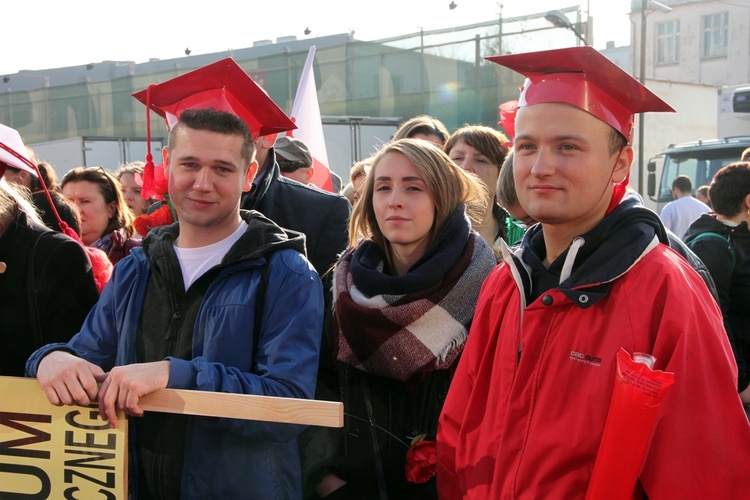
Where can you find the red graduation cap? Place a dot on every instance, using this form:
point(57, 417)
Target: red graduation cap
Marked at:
point(223, 86)
point(584, 78)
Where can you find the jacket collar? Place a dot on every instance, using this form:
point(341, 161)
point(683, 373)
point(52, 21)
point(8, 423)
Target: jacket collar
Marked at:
point(593, 259)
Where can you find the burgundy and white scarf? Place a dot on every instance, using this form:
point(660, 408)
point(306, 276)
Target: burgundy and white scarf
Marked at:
point(402, 327)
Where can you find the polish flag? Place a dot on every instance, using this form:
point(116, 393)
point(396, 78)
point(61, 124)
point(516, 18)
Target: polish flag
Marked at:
point(306, 115)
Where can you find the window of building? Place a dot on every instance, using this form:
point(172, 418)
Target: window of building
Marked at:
point(668, 42)
point(715, 35)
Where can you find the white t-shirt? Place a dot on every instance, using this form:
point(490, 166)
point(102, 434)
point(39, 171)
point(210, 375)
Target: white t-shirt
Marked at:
point(196, 261)
point(677, 215)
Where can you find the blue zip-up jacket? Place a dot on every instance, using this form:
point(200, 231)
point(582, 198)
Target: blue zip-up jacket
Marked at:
point(226, 458)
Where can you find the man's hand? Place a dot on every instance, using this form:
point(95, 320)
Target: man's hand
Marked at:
point(124, 385)
point(67, 379)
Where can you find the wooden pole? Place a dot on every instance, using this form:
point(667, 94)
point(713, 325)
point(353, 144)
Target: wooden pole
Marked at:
point(245, 406)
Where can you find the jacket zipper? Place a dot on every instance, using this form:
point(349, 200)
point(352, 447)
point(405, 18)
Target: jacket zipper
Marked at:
point(171, 338)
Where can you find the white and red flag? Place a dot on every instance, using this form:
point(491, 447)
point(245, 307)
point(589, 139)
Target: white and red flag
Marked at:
point(306, 115)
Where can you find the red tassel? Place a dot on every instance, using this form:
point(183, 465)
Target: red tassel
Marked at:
point(148, 169)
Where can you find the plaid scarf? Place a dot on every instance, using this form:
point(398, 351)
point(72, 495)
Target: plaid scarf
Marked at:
point(402, 327)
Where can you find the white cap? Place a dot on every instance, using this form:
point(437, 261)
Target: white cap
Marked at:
point(12, 139)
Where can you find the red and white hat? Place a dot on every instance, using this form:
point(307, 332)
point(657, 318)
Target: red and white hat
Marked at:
point(223, 86)
point(11, 139)
point(582, 77)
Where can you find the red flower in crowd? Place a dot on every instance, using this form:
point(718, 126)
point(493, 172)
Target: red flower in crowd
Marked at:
point(161, 217)
point(421, 461)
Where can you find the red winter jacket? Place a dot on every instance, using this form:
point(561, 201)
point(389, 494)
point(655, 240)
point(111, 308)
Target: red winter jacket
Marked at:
point(526, 409)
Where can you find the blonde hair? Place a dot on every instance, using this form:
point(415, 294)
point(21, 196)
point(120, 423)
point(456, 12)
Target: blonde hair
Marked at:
point(12, 197)
point(449, 187)
point(360, 169)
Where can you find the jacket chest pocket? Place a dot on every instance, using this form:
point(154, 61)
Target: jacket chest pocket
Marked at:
point(230, 330)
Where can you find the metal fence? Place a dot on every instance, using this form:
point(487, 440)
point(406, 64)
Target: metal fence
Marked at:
point(441, 73)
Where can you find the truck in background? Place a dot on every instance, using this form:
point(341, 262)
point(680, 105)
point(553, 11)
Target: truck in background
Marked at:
point(106, 152)
point(700, 160)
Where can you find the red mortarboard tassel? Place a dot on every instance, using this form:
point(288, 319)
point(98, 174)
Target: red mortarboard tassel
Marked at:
point(147, 190)
point(155, 183)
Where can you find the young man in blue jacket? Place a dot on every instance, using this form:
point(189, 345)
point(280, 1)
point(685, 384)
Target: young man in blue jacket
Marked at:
point(223, 300)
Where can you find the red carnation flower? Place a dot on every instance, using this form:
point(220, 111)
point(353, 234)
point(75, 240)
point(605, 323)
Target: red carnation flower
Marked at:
point(161, 217)
point(421, 461)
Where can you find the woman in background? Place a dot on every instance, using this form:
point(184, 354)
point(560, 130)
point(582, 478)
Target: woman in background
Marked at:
point(357, 177)
point(106, 220)
point(130, 176)
point(481, 151)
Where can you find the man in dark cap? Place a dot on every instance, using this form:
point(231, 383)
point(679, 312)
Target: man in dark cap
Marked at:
point(526, 410)
point(320, 215)
point(223, 300)
point(295, 160)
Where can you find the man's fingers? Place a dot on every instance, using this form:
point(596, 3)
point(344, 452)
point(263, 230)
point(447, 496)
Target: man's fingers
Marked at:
point(90, 385)
point(74, 393)
point(129, 402)
point(67, 379)
point(52, 396)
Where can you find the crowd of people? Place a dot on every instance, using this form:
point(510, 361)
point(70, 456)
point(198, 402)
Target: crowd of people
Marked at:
point(465, 296)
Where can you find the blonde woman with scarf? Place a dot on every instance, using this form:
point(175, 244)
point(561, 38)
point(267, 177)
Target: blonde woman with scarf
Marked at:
point(404, 298)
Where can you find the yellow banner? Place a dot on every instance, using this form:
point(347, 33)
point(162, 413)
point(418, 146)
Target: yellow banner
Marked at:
point(64, 452)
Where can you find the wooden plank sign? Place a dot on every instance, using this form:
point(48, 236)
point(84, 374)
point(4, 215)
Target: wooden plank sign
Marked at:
point(57, 452)
point(70, 452)
point(245, 406)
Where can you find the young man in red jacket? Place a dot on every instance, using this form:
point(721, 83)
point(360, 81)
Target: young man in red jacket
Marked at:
point(526, 410)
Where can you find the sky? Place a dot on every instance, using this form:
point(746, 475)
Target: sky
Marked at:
point(53, 34)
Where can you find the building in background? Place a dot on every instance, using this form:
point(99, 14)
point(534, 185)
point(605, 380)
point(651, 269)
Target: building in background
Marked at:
point(686, 51)
point(366, 87)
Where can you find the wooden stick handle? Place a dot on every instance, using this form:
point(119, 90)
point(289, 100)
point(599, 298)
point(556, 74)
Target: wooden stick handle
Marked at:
point(245, 406)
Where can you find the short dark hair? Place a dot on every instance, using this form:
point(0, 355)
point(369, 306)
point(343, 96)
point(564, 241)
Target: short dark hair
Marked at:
point(221, 122)
point(729, 188)
point(683, 183)
point(616, 141)
point(289, 166)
